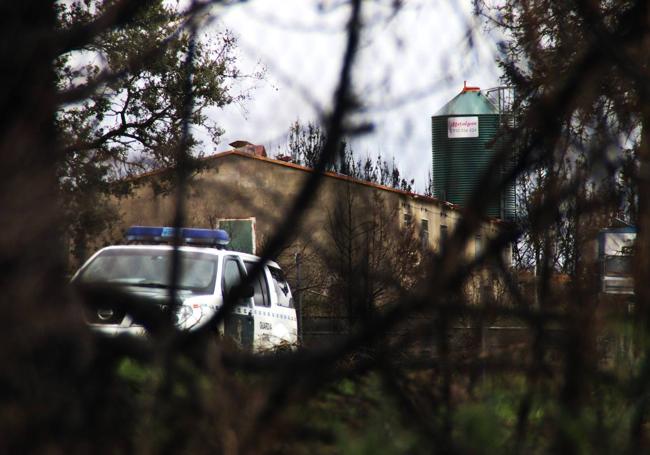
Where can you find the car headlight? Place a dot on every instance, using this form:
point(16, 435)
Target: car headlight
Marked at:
point(186, 316)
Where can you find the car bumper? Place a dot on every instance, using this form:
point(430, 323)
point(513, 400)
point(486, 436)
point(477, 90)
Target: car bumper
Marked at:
point(117, 330)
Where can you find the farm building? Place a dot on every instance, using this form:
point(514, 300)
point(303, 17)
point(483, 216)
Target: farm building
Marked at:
point(365, 221)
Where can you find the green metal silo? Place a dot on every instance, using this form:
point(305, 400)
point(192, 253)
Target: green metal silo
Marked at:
point(463, 143)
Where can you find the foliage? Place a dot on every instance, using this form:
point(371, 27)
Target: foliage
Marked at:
point(597, 140)
point(132, 122)
point(428, 190)
point(354, 416)
point(580, 71)
point(305, 145)
point(549, 385)
point(370, 260)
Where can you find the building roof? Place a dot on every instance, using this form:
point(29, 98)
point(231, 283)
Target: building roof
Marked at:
point(221, 155)
point(334, 175)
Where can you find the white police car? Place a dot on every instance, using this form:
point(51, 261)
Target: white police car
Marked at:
point(264, 319)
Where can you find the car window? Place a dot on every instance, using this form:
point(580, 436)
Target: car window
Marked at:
point(281, 288)
point(231, 275)
point(260, 285)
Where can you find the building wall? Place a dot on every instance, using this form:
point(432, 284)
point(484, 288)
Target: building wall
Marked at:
point(239, 186)
point(236, 185)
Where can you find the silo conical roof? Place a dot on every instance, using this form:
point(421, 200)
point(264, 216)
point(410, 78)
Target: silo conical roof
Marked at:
point(468, 102)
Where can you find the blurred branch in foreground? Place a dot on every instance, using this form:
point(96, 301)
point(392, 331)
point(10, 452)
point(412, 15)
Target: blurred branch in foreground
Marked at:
point(420, 368)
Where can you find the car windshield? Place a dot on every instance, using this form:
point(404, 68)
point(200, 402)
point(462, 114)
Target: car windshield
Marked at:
point(151, 268)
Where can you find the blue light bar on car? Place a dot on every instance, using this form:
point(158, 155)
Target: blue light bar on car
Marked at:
point(144, 234)
point(191, 236)
point(217, 237)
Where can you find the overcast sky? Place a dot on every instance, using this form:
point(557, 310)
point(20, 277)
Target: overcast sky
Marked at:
point(409, 66)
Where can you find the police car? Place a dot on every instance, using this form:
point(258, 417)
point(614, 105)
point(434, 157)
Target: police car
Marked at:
point(264, 318)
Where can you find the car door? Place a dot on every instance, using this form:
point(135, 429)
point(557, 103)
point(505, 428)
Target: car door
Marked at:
point(238, 325)
point(263, 315)
point(285, 328)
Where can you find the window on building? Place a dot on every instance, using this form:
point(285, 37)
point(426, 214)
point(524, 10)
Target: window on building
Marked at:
point(408, 220)
point(424, 233)
point(507, 255)
point(443, 238)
